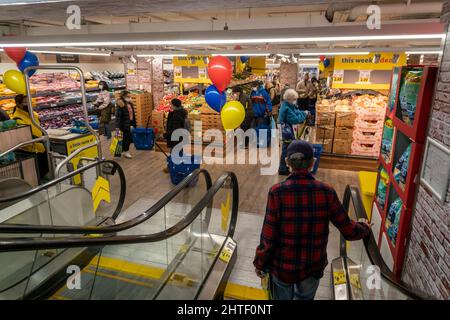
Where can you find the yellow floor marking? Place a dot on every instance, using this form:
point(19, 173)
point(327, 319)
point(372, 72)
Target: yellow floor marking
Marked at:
point(107, 275)
point(240, 292)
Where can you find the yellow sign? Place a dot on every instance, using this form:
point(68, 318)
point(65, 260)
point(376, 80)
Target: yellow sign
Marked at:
point(258, 65)
point(100, 192)
point(77, 143)
point(339, 277)
point(191, 61)
point(227, 251)
point(225, 212)
point(372, 61)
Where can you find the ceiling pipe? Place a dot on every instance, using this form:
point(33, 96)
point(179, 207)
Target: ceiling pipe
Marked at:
point(397, 9)
point(337, 7)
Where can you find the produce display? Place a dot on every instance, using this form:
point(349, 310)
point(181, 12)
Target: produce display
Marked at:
point(190, 102)
point(393, 219)
point(409, 91)
point(357, 121)
point(401, 167)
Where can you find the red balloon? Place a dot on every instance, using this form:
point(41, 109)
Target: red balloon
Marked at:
point(16, 54)
point(220, 71)
point(322, 58)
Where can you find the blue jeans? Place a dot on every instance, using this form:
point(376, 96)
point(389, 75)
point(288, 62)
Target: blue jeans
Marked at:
point(303, 290)
point(107, 130)
point(283, 167)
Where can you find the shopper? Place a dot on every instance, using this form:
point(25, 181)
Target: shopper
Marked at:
point(261, 104)
point(294, 237)
point(22, 116)
point(288, 116)
point(283, 91)
point(3, 115)
point(304, 89)
point(313, 94)
point(177, 119)
point(125, 120)
point(105, 107)
point(245, 100)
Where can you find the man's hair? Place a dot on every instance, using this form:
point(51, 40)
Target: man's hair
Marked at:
point(105, 85)
point(237, 89)
point(296, 161)
point(19, 99)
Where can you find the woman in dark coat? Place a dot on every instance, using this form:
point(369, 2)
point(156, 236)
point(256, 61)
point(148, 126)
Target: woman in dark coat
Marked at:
point(125, 120)
point(175, 120)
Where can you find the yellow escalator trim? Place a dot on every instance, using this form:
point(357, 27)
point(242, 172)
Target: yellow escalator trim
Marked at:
point(128, 267)
point(240, 292)
point(107, 275)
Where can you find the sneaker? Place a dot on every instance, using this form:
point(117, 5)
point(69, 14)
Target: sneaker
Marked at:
point(127, 155)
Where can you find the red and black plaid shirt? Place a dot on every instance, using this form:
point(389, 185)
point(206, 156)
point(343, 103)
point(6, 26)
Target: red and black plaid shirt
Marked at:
point(294, 237)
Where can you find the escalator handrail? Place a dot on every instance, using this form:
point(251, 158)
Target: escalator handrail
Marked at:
point(17, 228)
point(26, 244)
point(352, 194)
point(116, 167)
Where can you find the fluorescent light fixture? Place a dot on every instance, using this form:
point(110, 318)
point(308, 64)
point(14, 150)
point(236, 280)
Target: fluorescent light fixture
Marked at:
point(309, 59)
point(242, 54)
point(161, 55)
point(334, 53)
point(104, 54)
point(227, 41)
point(424, 52)
point(26, 2)
point(282, 55)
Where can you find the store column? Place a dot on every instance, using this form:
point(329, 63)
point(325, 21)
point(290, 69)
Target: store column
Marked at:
point(427, 264)
point(157, 80)
point(288, 74)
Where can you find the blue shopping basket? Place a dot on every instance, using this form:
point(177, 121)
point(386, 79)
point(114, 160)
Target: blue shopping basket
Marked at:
point(143, 138)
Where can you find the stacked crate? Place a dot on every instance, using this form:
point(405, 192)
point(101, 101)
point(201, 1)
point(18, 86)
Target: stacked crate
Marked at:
point(368, 131)
point(325, 119)
point(343, 133)
point(158, 120)
point(143, 106)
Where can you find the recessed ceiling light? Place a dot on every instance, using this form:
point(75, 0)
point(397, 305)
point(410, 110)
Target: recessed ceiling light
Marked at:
point(424, 52)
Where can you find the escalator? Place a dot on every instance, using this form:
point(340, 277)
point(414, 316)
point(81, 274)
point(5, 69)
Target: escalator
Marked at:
point(360, 273)
point(178, 247)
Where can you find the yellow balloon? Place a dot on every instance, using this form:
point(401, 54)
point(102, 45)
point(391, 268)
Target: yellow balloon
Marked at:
point(15, 81)
point(321, 67)
point(232, 115)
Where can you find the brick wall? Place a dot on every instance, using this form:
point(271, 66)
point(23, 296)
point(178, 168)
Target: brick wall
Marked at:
point(427, 262)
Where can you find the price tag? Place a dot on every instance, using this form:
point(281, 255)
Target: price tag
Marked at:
point(338, 76)
point(339, 277)
point(227, 251)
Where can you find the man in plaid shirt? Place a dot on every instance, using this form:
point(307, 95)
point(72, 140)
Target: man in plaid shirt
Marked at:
point(294, 237)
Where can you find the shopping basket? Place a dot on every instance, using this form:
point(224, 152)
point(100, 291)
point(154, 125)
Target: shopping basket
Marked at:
point(181, 170)
point(317, 151)
point(143, 138)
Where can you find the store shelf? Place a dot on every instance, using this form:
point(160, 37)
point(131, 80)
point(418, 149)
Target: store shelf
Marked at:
point(417, 131)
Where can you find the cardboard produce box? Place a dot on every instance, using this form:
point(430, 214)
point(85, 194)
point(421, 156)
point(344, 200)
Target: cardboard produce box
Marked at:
point(157, 122)
point(343, 133)
point(345, 119)
point(325, 118)
point(327, 145)
point(342, 146)
point(323, 133)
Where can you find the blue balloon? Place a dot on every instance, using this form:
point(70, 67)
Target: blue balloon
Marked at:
point(214, 98)
point(326, 62)
point(244, 59)
point(29, 60)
